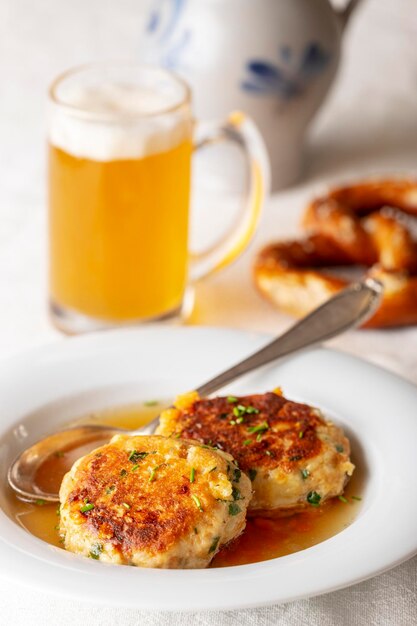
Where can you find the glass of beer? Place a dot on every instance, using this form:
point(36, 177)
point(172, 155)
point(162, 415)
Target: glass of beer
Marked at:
point(121, 139)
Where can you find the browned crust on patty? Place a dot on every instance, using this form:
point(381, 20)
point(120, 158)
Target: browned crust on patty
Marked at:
point(289, 439)
point(134, 508)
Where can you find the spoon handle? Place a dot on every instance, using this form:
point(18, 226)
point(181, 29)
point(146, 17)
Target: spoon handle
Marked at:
point(345, 310)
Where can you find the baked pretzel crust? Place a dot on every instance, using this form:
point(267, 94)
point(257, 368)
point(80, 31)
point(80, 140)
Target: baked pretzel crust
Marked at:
point(369, 226)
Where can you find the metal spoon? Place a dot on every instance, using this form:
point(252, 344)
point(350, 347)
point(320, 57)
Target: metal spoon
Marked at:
point(347, 309)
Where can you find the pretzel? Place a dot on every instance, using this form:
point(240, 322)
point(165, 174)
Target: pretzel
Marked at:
point(369, 224)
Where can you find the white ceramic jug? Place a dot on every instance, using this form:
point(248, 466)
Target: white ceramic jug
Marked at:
point(273, 59)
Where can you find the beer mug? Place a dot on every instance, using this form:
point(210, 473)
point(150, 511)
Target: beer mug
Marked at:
point(121, 139)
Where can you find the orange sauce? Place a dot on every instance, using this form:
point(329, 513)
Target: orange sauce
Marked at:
point(265, 539)
point(262, 539)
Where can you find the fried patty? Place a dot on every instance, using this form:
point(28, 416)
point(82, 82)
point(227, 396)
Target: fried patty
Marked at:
point(294, 457)
point(153, 502)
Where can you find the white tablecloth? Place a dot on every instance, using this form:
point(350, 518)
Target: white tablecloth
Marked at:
point(368, 125)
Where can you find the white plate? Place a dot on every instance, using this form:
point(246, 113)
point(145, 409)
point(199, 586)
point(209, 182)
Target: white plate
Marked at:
point(46, 387)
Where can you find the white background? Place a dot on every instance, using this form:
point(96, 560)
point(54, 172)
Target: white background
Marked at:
point(368, 125)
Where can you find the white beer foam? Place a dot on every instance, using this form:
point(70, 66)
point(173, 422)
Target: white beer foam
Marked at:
point(129, 132)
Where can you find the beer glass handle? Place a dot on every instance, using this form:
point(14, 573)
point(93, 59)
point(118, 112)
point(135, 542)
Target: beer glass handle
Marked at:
point(240, 130)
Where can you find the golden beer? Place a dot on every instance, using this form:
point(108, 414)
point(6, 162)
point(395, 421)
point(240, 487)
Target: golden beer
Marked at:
point(119, 233)
point(120, 142)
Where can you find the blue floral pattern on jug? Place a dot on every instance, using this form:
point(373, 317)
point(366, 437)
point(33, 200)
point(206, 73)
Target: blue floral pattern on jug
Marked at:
point(163, 26)
point(291, 76)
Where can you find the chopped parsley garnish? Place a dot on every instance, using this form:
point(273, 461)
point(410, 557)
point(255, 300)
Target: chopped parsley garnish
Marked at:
point(153, 473)
point(260, 428)
point(212, 469)
point(110, 489)
point(197, 502)
point(214, 545)
point(96, 550)
point(234, 508)
point(305, 473)
point(192, 475)
point(236, 474)
point(56, 527)
point(301, 434)
point(268, 452)
point(58, 510)
point(236, 495)
point(340, 448)
point(87, 506)
point(342, 499)
point(313, 498)
point(151, 403)
point(247, 442)
point(123, 472)
point(135, 456)
point(296, 457)
point(40, 502)
point(135, 467)
point(356, 498)
point(240, 410)
point(126, 505)
point(232, 399)
point(252, 474)
point(239, 420)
